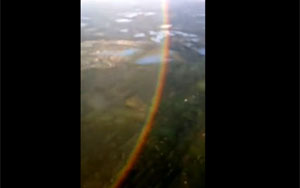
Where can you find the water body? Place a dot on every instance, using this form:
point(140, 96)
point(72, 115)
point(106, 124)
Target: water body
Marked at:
point(123, 20)
point(149, 60)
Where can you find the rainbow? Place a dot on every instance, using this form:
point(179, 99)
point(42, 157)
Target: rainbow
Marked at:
point(123, 174)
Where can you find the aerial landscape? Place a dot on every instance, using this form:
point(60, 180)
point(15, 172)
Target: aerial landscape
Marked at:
point(142, 93)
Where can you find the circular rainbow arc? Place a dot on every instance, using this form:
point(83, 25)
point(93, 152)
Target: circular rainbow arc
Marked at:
point(155, 104)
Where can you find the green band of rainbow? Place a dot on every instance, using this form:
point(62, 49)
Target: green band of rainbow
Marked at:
point(154, 108)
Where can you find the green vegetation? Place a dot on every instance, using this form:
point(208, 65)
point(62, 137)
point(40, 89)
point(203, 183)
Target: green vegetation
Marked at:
point(174, 154)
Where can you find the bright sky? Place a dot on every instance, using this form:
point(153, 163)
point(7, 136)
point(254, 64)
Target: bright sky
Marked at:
point(126, 1)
